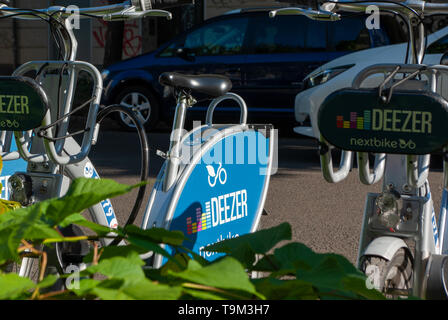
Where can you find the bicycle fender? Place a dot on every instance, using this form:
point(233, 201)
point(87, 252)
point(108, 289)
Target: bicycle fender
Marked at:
point(384, 247)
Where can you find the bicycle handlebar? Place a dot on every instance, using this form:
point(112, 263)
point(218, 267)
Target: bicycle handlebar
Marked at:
point(115, 12)
point(312, 14)
point(420, 7)
point(54, 145)
point(407, 9)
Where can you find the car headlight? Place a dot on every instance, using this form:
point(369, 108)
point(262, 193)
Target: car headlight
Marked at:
point(323, 76)
point(105, 73)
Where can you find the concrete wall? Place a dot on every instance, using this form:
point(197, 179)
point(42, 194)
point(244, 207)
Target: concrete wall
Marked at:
point(33, 40)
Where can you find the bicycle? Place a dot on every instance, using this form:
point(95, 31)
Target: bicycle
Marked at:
point(215, 159)
point(175, 201)
point(42, 116)
point(402, 250)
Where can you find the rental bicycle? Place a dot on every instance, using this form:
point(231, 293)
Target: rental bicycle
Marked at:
point(402, 121)
point(41, 95)
point(214, 182)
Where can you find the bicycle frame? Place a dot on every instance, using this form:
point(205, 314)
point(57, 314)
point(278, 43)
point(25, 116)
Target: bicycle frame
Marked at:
point(51, 151)
point(407, 175)
point(54, 157)
point(404, 175)
point(175, 202)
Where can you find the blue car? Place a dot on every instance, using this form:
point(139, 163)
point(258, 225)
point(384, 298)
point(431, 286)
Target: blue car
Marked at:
point(266, 59)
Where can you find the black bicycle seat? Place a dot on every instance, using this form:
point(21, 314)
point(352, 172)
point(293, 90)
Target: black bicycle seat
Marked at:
point(209, 84)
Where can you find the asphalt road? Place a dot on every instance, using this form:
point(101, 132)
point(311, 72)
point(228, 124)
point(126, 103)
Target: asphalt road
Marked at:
point(327, 217)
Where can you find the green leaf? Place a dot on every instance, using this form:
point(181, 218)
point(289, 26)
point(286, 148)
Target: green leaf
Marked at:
point(13, 286)
point(331, 274)
point(245, 247)
point(37, 221)
point(292, 256)
point(206, 295)
point(6, 254)
point(40, 231)
point(131, 252)
point(118, 289)
point(82, 194)
point(99, 229)
point(196, 256)
point(151, 239)
point(26, 220)
point(226, 273)
point(275, 289)
point(48, 281)
point(128, 269)
point(157, 235)
point(358, 284)
point(260, 242)
point(110, 290)
point(182, 263)
point(85, 287)
point(148, 290)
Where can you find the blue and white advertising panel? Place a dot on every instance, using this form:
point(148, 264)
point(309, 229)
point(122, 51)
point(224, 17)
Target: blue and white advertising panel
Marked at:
point(224, 194)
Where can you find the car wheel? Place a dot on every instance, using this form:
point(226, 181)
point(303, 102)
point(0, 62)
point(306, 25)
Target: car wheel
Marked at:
point(142, 101)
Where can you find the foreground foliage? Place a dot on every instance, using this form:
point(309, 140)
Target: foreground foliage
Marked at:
point(290, 271)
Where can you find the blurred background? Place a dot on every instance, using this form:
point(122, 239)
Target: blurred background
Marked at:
point(99, 41)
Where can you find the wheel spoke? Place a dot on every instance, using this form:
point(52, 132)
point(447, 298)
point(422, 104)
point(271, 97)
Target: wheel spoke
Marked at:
point(135, 98)
point(141, 118)
point(140, 104)
point(126, 120)
point(144, 106)
point(126, 104)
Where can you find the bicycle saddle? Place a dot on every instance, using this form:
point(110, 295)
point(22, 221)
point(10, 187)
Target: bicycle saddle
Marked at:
point(209, 84)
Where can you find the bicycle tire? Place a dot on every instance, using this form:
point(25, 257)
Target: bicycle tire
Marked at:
point(393, 277)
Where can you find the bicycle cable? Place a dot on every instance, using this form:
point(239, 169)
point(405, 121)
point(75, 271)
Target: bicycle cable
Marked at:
point(144, 148)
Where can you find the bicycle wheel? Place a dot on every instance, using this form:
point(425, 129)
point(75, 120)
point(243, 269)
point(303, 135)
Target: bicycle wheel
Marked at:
point(28, 267)
point(391, 277)
point(61, 258)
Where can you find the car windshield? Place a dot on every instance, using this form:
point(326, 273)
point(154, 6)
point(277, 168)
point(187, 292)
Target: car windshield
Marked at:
point(224, 37)
point(440, 46)
point(259, 34)
point(292, 34)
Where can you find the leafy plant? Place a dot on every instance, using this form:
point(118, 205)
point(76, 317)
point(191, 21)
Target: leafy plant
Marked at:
point(291, 271)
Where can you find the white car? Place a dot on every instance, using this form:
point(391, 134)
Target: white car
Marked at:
point(341, 72)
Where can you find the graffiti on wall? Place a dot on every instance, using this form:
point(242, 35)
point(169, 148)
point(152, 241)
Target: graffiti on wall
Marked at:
point(132, 39)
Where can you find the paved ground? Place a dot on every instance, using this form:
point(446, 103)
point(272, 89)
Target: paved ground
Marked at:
point(326, 217)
